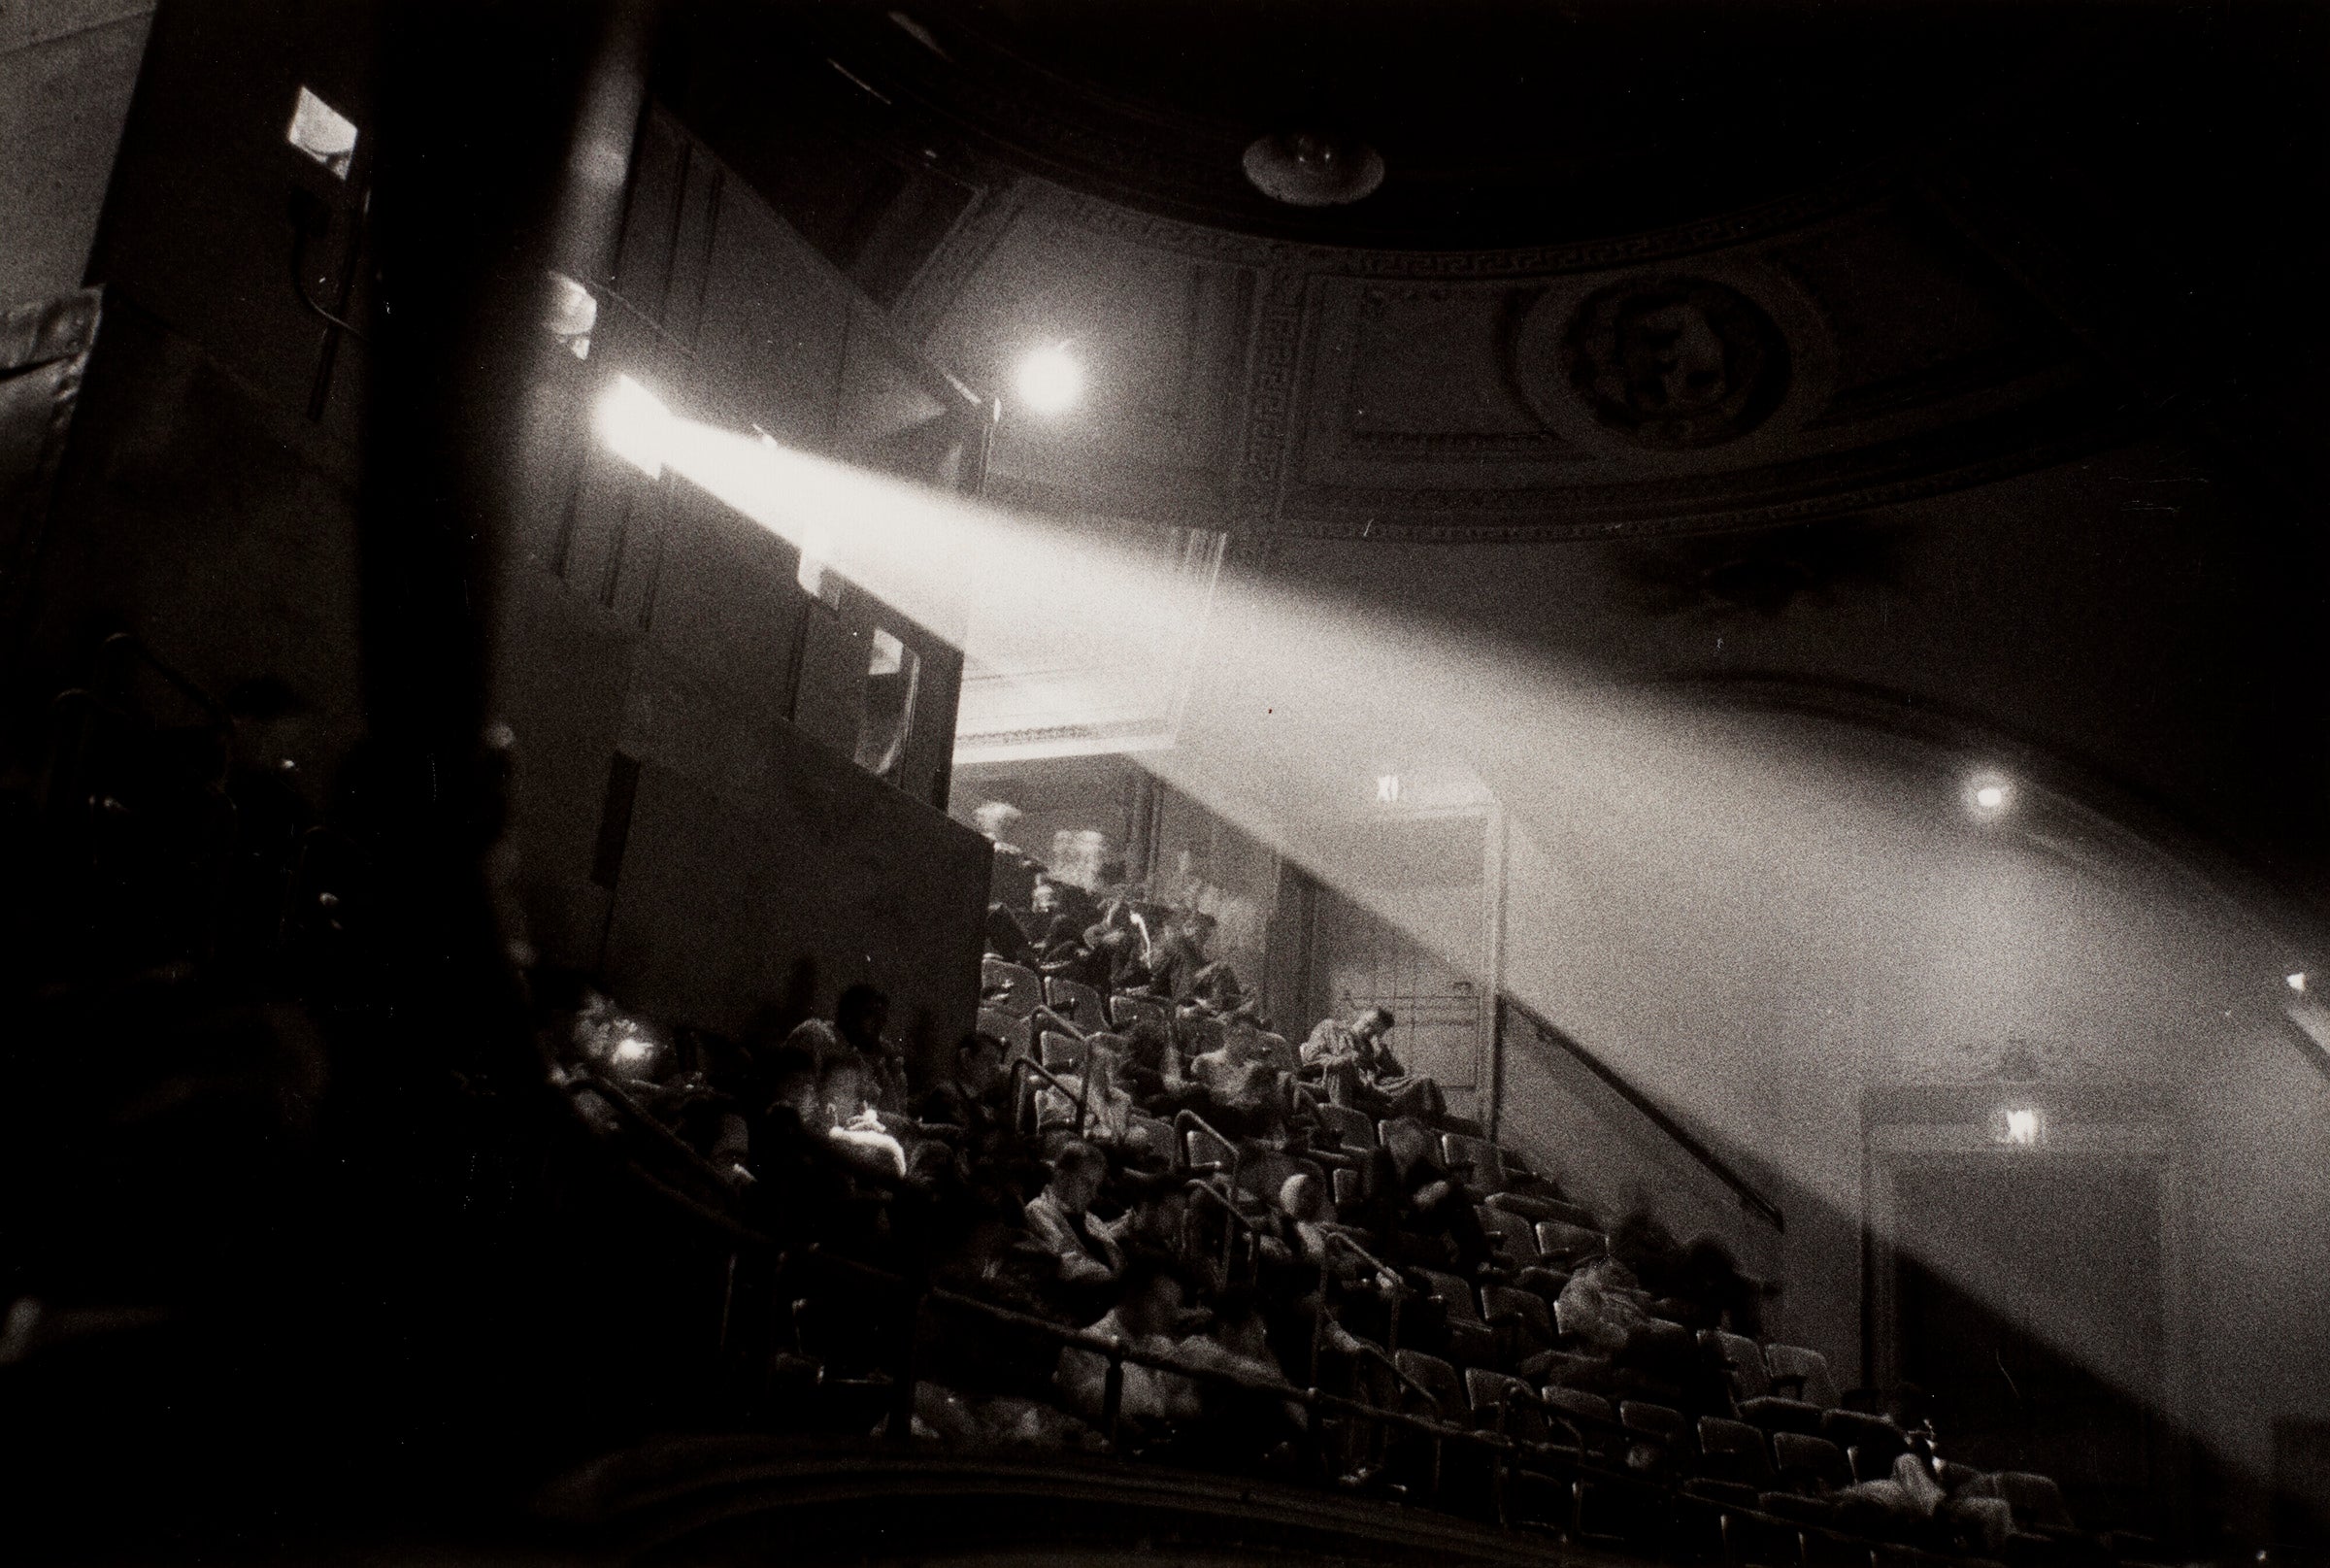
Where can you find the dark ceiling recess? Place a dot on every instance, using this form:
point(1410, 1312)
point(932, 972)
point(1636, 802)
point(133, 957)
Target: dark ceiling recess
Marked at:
point(1499, 123)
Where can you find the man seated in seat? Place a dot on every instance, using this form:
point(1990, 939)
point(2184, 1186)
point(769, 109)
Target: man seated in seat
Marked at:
point(1149, 1072)
point(1247, 1097)
point(1358, 1069)
point(1060, 1219)
point(1091, 1090)
point(1120, 947)
point(846, 1115)
point(1013, 881)
point(859, 1017)
point(976, 1099)
point(1240, 1426)
point(1431, 1217)
point(1146, 1318)
point(1181, 968)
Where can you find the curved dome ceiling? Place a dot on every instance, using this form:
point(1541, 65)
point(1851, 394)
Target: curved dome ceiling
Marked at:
point(1499, 123)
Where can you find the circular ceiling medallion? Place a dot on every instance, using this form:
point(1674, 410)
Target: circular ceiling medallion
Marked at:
point(1675, 363)
point(1304, 169)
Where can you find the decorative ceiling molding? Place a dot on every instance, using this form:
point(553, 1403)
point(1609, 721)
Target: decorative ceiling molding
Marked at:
point(1600, 390)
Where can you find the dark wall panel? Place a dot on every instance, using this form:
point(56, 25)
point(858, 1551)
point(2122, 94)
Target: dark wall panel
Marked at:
point(838, 882)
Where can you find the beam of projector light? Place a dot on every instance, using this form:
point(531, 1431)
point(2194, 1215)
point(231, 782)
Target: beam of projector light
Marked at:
point(1623, 801)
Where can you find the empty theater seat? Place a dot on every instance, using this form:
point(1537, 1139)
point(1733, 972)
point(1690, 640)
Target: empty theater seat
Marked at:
point(1536, 1205)
point(1470, 1342)
point(1668, 1432)
point(1014, 1032)
point(1870, 1442)
point(1506, 1404)
point(1080, 1003)
point(1569, 1245)
point(1524, 1324)
point(1200, 1036)
point(1810, 1466)
point(1126, 1010)
point(1009, 987)
point(1473, 1161)
point(1734, 1452)
point(1354, 1130)
point(1439, 1382)
point(1515, 1237)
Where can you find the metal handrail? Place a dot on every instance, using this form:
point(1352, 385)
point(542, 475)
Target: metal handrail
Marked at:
point(1183, 1121)
point(1034, 1068)
point(1651, 1111)
point(1230, 1232)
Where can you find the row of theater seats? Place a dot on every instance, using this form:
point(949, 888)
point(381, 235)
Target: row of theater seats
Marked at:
point(1763, 1481)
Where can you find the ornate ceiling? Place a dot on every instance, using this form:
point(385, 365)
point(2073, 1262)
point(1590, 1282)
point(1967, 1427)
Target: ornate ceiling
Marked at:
point(1633, 270)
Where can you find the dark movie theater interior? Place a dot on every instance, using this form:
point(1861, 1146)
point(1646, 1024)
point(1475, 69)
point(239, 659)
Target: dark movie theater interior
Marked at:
point(1165, 782)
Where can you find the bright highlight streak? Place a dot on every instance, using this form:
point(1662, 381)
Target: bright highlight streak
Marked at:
point(636, 425)
point(1050, 379)
point(1657, 848)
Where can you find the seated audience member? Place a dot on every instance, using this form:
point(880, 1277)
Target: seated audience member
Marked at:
point(850, 1122)
point(1013, 881)
point(1007, 939)
point(859, 1017)
point(1060, 1219)
point(1239, 1426)
point(977, 1098)
point(1150, 1071)
point(1120, 948)
point(1310, 1211)
point(1359, 1070)
point(1714, 1292)
point(1090, 1093)
point(1057, 899)
point(1600, 1307)
point(1146, 1318)
point(1432, 1219)
point(1181, 968)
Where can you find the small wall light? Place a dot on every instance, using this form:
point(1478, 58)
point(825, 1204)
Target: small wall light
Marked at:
point(1988, 795)
point(1050, 379)
point(2018, 1127)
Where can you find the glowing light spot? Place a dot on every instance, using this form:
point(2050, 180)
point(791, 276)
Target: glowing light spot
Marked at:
point(1387, 788)
point(1988, 794)
point(2017, 1126)
point(635, 426)
point(1050, 379)
point(322, 133)
point(1990, 798)
point(631, 1048)
point(2297, 981)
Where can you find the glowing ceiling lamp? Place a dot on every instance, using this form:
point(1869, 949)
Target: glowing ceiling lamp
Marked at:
point(635, 426)
point(1050, 381)
point(1988, 795)
point(2018, 1127)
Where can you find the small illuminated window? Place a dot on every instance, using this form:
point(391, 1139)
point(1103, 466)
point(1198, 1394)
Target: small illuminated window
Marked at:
point(1387, 788)
point(323, 133)
point(2017, 1126)
point(891, 673)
